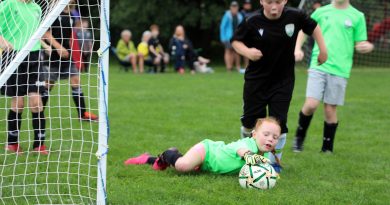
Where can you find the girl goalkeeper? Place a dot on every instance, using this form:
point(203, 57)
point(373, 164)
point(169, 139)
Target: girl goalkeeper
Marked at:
point(216, 156)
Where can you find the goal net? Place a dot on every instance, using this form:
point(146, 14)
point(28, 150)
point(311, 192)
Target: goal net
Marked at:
point(377, 13)
point(54, 136)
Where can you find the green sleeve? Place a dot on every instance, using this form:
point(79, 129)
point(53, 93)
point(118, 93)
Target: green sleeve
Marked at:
point(360, 32)
point(122, 49)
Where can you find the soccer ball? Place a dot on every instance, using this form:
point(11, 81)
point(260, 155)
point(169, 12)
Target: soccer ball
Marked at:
point(259, 176)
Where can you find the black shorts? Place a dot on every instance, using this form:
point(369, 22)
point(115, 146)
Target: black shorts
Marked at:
point(260, 98)
point(26, 78)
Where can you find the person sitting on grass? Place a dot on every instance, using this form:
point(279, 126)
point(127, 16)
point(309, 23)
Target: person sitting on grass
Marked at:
point(156, 50)
point(216, 156)
point(143, 51)
point(126, 49)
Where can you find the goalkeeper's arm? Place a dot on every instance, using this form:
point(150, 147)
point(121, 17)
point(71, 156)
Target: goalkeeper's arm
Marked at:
point(250, 157)
point(5, 45)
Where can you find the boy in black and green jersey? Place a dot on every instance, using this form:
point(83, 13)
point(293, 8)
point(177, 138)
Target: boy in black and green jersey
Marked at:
point(19, 19)
point(216, 156)
point(343, 28)
point(268, 38)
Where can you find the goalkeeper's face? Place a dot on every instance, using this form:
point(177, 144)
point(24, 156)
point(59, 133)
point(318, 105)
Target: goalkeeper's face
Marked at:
point(267, 136)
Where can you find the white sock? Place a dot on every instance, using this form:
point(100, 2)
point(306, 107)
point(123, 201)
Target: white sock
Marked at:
point(278, 148)
point(245, 133)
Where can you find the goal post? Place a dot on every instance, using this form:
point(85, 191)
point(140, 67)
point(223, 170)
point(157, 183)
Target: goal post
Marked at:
point(103, 103)
point(76, 125)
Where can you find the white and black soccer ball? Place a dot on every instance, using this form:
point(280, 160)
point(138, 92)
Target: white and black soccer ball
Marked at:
point(259, 176)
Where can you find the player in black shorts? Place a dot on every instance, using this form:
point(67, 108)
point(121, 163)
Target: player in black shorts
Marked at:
point(268, 38)
point(24, 81)
point(60, 65)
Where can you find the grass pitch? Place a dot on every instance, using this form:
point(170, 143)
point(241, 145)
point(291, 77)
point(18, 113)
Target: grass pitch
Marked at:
point(153, 112)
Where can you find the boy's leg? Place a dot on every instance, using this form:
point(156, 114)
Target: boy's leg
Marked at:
point(253, 109)
point(315, 89)
point(279, 110)
point(330, 127)
point(38, 120)
point(305, 117)
point(334, 96)
point(14, 119)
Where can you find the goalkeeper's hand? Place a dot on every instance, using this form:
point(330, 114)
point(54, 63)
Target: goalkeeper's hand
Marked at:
point(252, 159)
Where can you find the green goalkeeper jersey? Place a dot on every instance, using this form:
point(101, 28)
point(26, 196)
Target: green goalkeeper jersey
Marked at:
point(341, 29)
point(222, 158)
point(18, 22)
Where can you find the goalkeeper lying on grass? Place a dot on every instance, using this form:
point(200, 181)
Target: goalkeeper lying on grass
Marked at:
point(216, 156)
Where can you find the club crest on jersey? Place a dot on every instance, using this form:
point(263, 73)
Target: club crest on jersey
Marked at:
point(261, 31)
point(290, 28)
point(348, 23)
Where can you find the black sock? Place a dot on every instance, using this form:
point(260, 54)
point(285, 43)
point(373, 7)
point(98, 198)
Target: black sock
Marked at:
point(329, 135)
point(14, 123)
point(303, 125)
point(39, 125)
point(45, 97)
point(79, 101)
point(151, 160)
point(171, 156)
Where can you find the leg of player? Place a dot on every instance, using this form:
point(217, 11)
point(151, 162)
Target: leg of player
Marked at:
point(14, 121)
point(305, 116)
point(330, 127)
point(79, 100)
point(38, 122)
point(46, 93)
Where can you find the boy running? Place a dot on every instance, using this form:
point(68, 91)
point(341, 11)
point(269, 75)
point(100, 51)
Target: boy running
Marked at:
point(344, 28)
point(60, 65)
point(216, 156)
point(268, 38)
point(19, 19)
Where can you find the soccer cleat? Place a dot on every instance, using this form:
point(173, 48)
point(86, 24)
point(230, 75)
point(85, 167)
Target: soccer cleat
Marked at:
point(298, 145)
point(14, 148)
point(142, 159)
point(160, 163)
point(88, 116)
point(41, 150)
point(277, 167)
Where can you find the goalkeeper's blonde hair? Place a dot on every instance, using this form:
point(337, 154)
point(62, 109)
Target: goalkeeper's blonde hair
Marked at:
point(267, 119)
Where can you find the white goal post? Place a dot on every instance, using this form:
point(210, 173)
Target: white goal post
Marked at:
point(73, 171)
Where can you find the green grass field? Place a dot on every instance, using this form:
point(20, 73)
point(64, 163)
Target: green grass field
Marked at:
point(154, 112)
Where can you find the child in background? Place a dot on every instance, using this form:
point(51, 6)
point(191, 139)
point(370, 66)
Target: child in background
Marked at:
point(268, 39)
point(143, 51)
point(126, 49)
point(156, 50)
point(216, 156)
point(84, 37)
point(344, 29)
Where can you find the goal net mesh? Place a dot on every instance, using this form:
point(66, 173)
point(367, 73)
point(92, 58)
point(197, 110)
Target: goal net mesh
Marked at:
point(68, 173)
